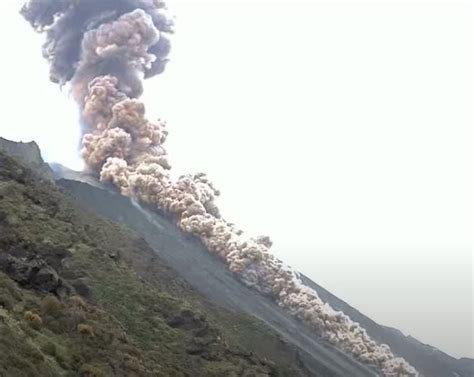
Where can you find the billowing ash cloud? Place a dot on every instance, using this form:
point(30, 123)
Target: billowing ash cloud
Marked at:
point(81, 39)
point(105, 48)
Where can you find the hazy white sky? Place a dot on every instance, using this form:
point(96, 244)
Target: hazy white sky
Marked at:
point(341, 129)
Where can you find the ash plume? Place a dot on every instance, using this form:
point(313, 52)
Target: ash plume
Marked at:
point(76, 29)
point(104, 48)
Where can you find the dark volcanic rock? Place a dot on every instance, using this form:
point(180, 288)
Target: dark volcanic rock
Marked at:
point(33, 273)
point(29, 154)
point(81, 286)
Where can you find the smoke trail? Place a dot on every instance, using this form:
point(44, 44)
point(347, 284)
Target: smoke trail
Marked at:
point(105, 48)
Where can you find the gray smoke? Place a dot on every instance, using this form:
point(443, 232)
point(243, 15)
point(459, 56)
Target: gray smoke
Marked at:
point(68, 24)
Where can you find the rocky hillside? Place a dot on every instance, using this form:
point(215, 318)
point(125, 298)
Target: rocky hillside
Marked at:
point(81, 296)
point(29, 154)
point(158, 256)
point(427, 359)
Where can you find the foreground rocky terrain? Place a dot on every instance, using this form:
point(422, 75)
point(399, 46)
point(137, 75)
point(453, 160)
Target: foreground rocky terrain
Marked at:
point(80, 295)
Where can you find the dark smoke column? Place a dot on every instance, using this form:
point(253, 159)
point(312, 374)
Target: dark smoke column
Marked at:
point(72, 25)
point(104, 48)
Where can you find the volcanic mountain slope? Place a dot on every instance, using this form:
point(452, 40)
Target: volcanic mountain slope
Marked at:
point(185, 255)
point(80, 296)
point(427, 359)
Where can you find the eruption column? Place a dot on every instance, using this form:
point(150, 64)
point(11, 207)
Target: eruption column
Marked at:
point(105, 48)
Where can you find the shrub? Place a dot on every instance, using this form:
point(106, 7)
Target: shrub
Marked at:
point(49, 348)
point(50, 305)
point(77, 302)
point(86, 330)
point(6, 301)
point(88, 370)
point(33, 319)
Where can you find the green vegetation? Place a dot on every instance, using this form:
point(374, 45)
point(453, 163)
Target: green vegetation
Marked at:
point(80, 296)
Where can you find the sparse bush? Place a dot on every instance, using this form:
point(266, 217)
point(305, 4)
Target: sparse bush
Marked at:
point(49, 348)
point(77, 302)
point(33, 319)
point(6, 301)
point(85, 329)
point(88, 370)
point(131, 363)
point(50, 305)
